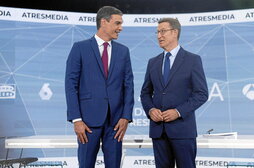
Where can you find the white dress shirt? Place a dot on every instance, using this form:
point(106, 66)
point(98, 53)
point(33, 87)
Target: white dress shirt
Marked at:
point(101, 47)
point(172, 57)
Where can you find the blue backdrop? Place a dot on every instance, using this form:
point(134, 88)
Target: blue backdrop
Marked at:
point(32, 68)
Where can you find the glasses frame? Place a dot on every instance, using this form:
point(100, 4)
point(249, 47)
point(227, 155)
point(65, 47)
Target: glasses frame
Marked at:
point(163, 31)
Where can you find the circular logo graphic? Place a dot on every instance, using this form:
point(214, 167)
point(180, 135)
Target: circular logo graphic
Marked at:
point(248, 91)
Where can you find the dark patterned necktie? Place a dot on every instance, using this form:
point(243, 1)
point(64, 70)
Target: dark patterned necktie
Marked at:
point(166, 71)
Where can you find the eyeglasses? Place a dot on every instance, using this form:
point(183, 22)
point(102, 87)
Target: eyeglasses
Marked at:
point(163, 31)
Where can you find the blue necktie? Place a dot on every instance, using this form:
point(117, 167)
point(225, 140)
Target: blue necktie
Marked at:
point(166, 71)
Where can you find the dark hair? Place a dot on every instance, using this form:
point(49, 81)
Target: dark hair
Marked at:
point(174, 23)
point(105, 13)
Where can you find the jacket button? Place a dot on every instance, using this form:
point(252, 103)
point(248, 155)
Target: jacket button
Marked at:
point(163, 93)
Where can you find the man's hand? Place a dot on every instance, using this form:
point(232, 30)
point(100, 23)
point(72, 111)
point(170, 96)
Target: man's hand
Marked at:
point(121, 128)
point(80, 129)
point(170, 115)
point(156, 115)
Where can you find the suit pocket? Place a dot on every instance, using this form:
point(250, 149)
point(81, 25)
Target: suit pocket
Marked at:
point(85, 96)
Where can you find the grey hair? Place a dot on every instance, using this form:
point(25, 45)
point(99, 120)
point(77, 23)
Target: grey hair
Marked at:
point(174, 23)
point(105, 13)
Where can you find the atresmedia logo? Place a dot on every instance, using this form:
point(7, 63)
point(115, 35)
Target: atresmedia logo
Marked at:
point(7, 91)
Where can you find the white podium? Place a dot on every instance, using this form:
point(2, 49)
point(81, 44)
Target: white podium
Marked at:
point(130, 141)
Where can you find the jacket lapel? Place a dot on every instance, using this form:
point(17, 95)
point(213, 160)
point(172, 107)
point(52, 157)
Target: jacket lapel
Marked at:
point(97, 54)
point(177, 63)
point(159, 68)
point(113, 58)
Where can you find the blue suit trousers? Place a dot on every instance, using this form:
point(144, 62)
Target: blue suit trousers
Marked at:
point(111, 148)
point(168, 152)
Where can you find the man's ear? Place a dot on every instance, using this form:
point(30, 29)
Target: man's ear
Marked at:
point(176, 32)
point(103, 21)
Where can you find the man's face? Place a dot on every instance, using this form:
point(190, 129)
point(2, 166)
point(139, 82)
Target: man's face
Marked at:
point(167, 36)
point(112, 27)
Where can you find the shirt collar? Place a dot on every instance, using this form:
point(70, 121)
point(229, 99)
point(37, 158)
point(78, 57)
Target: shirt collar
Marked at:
point(100, 41)
point(174, 51)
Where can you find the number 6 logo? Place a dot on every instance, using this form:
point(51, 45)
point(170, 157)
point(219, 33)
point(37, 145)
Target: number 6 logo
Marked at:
point(45, 92)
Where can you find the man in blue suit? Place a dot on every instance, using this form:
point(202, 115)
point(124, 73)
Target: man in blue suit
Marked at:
point(174, 87)
point(99, 91)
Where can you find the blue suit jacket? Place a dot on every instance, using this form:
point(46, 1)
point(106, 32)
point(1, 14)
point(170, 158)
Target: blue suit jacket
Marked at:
point(89, 93)
point(186, 90)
